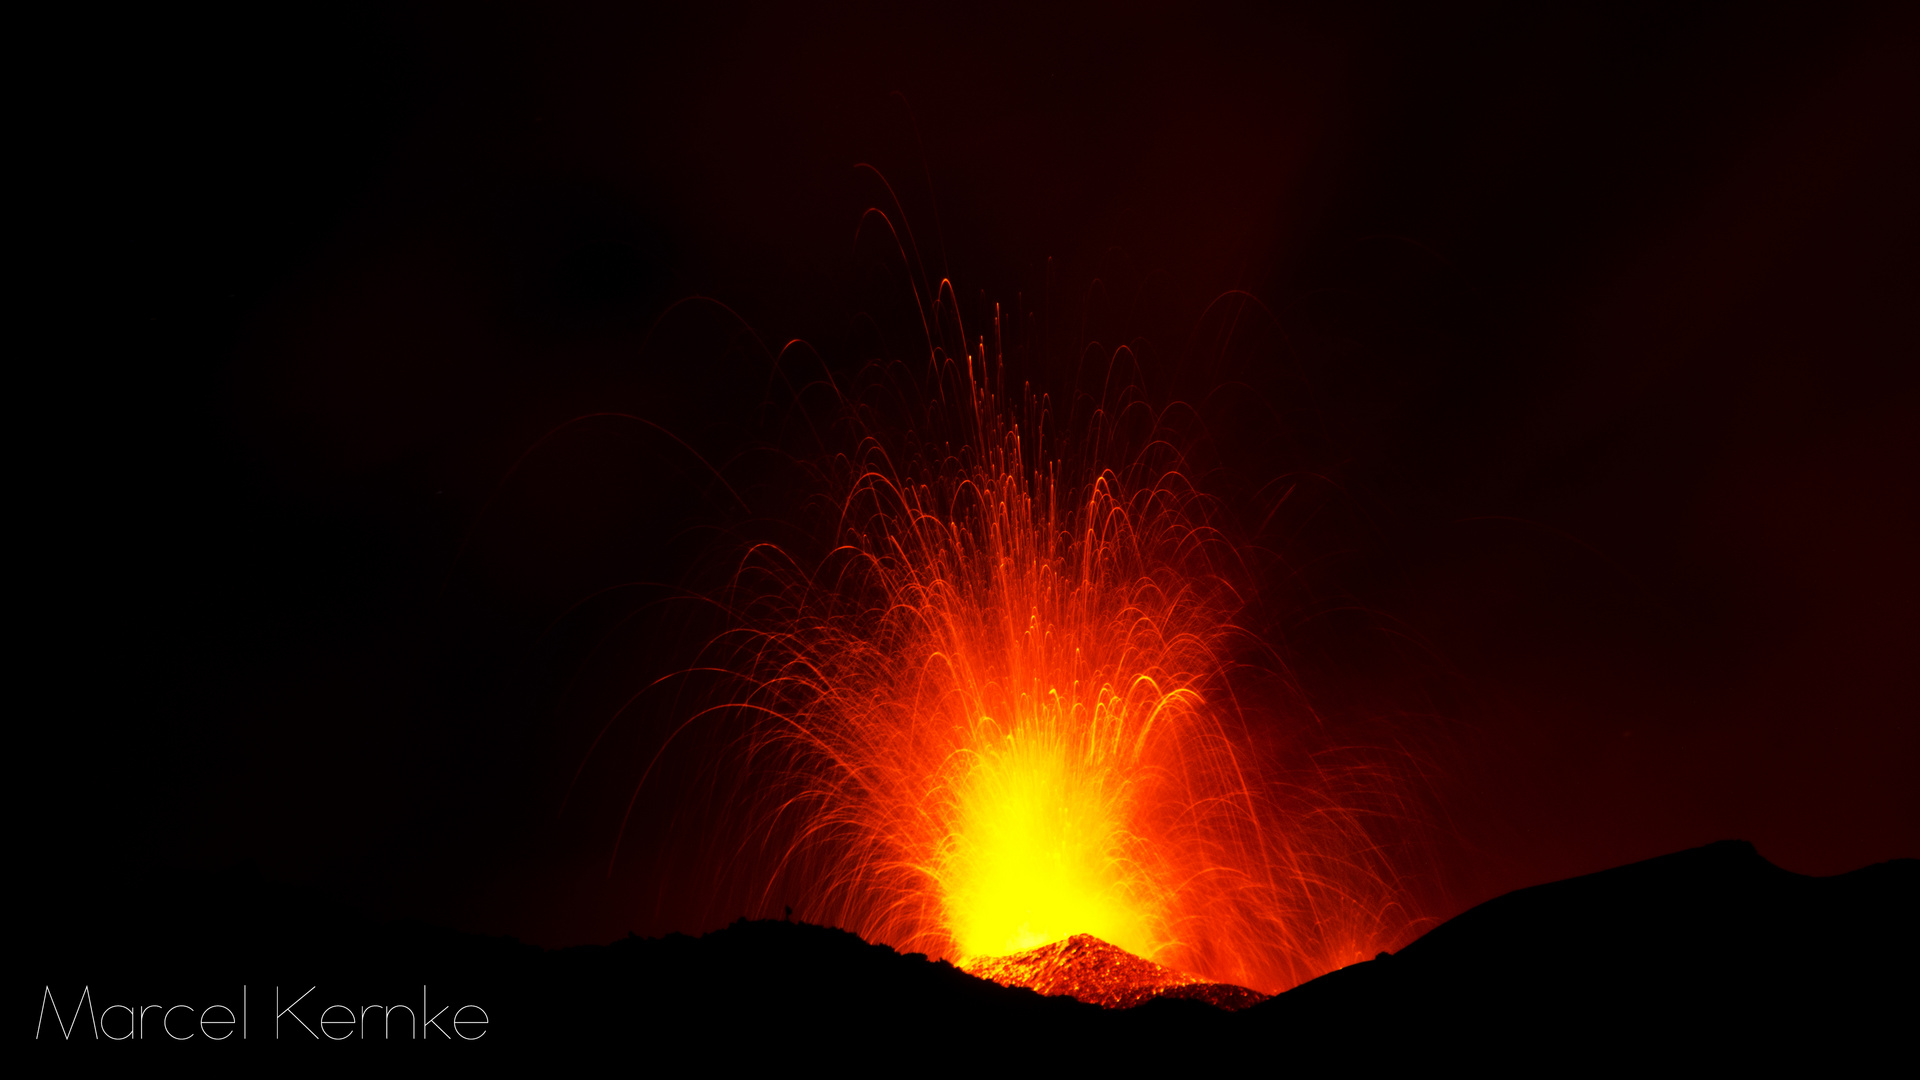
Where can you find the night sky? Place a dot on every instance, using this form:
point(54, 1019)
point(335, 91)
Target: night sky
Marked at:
point(1588, 342)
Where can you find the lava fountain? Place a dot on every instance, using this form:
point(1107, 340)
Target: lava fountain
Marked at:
point(1001, 711)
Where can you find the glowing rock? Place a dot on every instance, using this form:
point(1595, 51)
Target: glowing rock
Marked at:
point(1090, 970)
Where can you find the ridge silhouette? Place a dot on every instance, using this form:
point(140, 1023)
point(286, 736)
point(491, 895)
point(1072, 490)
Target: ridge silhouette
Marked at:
point(1711, 954)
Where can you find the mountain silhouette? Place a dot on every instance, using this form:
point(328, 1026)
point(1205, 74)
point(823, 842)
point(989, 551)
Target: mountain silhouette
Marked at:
point(1709, 955)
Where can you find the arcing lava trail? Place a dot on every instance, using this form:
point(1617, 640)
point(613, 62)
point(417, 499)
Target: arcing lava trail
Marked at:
point(1002, 710)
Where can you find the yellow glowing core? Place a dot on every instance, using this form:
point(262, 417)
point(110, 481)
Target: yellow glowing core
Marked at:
point(1038, 849)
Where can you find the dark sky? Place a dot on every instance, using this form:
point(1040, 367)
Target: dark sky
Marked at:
point(1589, 336)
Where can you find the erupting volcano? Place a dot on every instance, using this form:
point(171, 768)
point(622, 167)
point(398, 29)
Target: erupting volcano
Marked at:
point(1003, 710)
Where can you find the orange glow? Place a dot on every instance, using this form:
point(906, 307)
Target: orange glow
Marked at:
point(1090, 970)
point(1000, 714)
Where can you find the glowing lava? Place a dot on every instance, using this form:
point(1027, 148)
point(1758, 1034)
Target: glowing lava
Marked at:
point(1090, 970)
point(999, 713)
point(1039, 844)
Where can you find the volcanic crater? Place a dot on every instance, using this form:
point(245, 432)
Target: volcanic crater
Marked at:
point(1087, 969)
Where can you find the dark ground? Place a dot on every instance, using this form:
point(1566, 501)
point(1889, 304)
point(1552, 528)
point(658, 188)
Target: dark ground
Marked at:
point(1712, 956)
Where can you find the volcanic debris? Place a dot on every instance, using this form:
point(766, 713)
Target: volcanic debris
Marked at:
point(1087, 969)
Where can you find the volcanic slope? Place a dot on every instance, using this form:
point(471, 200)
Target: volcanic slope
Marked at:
point(1712, 954)
point(1087, 969)
point(1714, 951)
